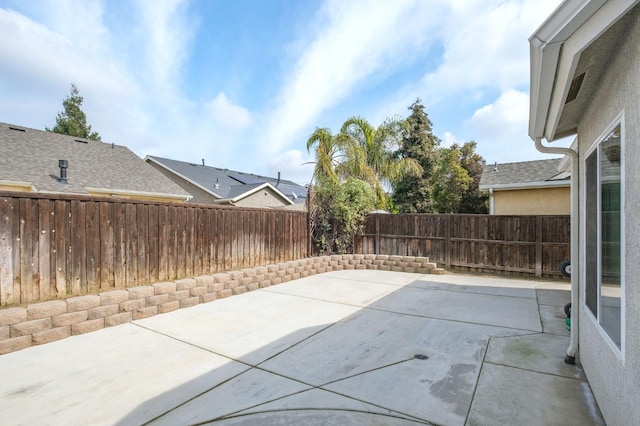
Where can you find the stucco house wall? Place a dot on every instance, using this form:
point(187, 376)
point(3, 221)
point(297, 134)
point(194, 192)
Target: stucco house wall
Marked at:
point(614, 376)
point(263, 198)
point(200, 196)
point(537, 201)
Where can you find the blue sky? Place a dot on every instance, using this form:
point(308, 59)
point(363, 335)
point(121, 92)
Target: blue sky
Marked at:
point(243, 83)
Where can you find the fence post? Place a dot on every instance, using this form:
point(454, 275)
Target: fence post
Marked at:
point(447, 240)
point(538, 246)
point(377, 242)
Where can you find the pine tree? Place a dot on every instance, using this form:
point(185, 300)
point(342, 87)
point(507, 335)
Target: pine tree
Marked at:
point(412, 194)
point(73, 121)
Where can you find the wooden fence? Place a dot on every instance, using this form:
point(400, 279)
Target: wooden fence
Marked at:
point(516, 245)
point(54, 246)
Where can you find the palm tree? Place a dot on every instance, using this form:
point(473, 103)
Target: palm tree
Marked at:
point(369, 154)
point(327, 152)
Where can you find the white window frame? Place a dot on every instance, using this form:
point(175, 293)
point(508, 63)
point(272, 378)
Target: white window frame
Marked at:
point(619, 352)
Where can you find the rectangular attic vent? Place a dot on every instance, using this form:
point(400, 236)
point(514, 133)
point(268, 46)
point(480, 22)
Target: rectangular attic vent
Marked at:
point(16, 128)
point(81, 141)
point(574, 89)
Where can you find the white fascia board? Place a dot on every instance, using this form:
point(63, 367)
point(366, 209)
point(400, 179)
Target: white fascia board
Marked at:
point(526, 185)
point(108, 191)
point(192, 182)
point(258, 188)
point(18, 183)
point(543, 71)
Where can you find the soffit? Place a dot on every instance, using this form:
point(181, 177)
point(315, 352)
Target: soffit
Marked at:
point(593, 62)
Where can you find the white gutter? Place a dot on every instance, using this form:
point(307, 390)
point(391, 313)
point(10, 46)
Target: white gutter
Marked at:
point(575, 241)
point(141, 194)
point(526, 185)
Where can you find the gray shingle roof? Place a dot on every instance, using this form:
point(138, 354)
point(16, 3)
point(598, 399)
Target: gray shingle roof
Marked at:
point(30, 155)
point(226, 183)
point(523, 173)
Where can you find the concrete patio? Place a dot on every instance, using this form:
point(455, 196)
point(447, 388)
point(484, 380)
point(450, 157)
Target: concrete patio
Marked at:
point(346, 348)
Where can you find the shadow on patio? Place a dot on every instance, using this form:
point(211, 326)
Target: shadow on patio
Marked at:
point(347, 347)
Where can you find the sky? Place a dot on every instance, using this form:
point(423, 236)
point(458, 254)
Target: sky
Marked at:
point(241, 84)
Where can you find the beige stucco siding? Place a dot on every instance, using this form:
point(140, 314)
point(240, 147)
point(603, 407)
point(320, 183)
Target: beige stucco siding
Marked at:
point(542, 201)
point(200, 196)
point(615, 377)
point(263, 198)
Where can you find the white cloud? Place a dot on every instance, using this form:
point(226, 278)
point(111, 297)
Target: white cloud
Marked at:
point(227, 114)
point(166, 30)
point(501, 128)
point(449, 139)
point(485, 45)
point(293, 165)
point(504, 118)
point(359, 39)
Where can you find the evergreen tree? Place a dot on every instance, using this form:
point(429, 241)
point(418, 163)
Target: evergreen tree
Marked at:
point(457, 181)
point(73, 121)
point(473, 201)
point(412, 193)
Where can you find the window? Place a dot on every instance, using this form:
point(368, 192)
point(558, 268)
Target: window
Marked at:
point(603, 234)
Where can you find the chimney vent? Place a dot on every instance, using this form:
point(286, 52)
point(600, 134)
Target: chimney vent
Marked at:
point(495, 167)
point(63, 164)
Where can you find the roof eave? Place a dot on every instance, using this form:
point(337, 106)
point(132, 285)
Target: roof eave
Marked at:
point(554, 53)
point(129, 193)
point(258, 188)
point(526, 185)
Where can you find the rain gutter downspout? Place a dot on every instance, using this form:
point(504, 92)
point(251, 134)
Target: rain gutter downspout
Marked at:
point(570, 358)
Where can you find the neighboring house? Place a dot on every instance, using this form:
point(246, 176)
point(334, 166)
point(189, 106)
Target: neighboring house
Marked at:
point(585, 81)
point(30, 161)
point(212, 185)
point(529, 187)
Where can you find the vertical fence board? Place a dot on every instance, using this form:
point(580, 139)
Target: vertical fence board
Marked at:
point(16, 226)
point(153, 244)
point(131, 236)
point(92, 232)
point(188, 242)
point(45, 219)
point(180, 245)
point(164, 237)
point(120, 245)
point(7, 218)
point(173, 241)
point(26, 249)
point(78, 248)
point(62, 247)
point(107, 248)
point(142, 263)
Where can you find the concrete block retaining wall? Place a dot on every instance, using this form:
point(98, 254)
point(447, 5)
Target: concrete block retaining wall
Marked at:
point(44, 322)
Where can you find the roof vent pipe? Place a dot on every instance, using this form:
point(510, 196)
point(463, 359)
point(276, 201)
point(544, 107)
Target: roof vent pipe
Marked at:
point(203, 161)
point(495, 167)
point(63, 164)
point(278, 182)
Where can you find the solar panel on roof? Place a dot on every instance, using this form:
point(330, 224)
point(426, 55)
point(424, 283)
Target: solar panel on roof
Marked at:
point(246, 179)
